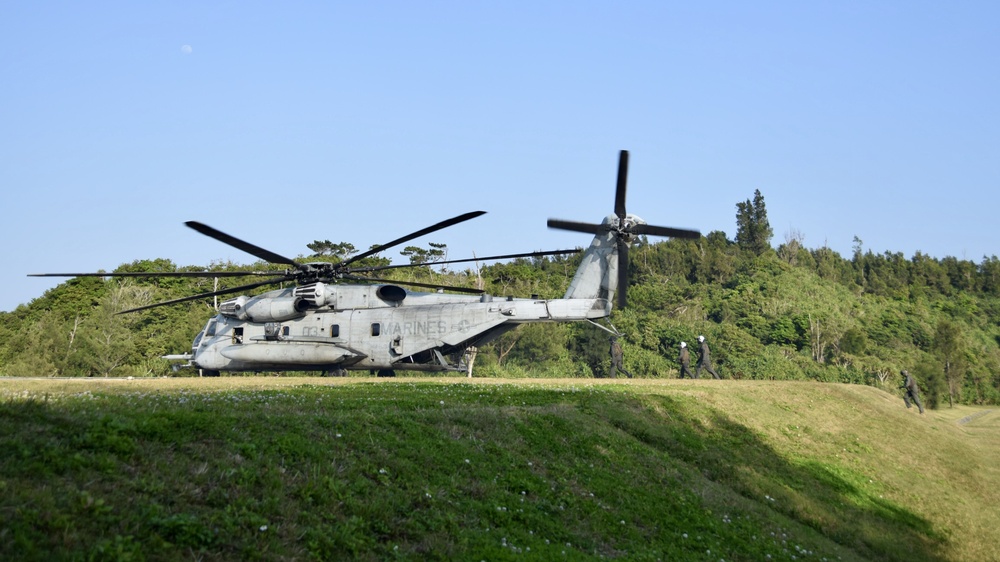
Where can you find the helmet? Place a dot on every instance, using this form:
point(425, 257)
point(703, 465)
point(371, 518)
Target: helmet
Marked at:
point(701, 338)
point(684, 344)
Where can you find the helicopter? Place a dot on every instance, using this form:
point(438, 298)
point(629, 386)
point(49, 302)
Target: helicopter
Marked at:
point(338, 317)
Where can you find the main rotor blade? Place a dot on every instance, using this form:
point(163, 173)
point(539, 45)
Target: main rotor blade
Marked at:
point(589, 228)
point(664, 231)
point(415, 284)
point(417, 234)
point(231, 290)
point(622, 272)
point(620, 189)
point(487, 258)
point(247, 247)
point(159, 274)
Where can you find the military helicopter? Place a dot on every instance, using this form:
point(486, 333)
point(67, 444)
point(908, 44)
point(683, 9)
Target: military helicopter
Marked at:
point(338, 318)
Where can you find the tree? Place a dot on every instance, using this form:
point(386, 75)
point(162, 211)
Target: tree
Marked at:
point(853, 341)
point(856, 249)
point(342, 251)
point(40, 341)
point(753, 232)
point(949, 344)
point(931, 381)
point(111, 337)
point(538, 344)
point(418, 256)
point(715, 262)
point(789, 251)
point(989, 271)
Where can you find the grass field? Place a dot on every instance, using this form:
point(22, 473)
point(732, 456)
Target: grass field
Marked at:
point(267, 468)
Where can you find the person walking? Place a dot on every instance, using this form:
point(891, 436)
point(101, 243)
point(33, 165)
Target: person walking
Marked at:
point(685, 361)
point(912, 391)
point(617, 359)
point(704, 359)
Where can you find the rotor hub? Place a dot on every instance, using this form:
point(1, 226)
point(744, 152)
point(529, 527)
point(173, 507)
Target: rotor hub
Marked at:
point(625, 227)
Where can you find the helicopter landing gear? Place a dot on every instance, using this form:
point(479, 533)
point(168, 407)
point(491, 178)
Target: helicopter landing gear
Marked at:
point(209, 373)
point(385, 373)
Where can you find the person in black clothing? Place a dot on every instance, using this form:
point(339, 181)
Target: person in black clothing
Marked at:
point(704, 359)
point(912, 393)
point(685, 360)
point(617, 363)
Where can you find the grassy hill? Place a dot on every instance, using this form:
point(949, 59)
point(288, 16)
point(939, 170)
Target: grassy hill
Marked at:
point(459, 469)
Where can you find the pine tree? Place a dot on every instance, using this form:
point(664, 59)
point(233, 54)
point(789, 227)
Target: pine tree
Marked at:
point(753, 232)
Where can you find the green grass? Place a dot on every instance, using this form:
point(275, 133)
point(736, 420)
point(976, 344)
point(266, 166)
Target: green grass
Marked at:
point(453, 469)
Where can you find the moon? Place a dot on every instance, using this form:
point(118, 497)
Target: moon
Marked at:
point(186, 49)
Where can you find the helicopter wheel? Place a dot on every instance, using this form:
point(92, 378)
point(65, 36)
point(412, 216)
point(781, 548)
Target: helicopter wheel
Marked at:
point(386, 373)
point(209, 373)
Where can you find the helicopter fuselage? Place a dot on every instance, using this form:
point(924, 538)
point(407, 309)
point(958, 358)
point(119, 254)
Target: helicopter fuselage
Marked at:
point(367, 327)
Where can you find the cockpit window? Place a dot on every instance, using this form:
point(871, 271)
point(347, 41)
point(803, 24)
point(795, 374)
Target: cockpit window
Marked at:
point(210, 330)
point(197, 339)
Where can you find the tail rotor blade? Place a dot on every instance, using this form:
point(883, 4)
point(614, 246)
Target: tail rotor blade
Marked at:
point(587, 227)
point(665, 231)
point(620, 189)
point(622, 272)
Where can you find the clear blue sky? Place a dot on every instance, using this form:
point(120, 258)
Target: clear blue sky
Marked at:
point(284, 123)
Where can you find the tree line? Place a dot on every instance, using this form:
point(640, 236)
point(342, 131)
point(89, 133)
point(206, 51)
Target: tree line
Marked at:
point(789, 312)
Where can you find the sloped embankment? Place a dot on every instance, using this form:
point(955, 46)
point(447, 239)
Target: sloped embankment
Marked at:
point(270, 468)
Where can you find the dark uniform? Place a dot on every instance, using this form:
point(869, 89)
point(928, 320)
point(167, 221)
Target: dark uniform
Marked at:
point(616, 358)
point(685, 360)
point(704, 360)
point(912, 393)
